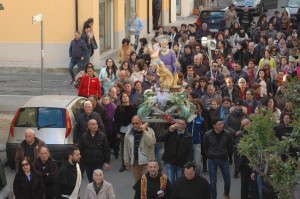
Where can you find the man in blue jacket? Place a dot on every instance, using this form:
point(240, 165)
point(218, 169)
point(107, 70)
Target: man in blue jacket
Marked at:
point(77, 52)
point(136, 24)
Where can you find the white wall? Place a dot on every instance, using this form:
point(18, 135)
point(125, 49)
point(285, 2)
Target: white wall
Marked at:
point(186, 7)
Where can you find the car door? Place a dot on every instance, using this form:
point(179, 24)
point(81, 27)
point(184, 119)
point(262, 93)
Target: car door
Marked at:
point(270, 4)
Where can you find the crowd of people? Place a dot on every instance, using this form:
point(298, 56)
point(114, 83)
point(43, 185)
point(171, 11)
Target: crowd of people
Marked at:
point(250, 66)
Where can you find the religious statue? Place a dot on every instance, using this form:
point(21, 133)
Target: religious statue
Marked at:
point(165, 78)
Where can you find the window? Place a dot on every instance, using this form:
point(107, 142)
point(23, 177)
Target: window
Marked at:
point(42, 117)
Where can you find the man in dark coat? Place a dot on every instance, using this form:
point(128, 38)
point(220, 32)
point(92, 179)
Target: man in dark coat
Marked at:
point(217, 143)
point(191, 185)
point(68, 178)
point(48, 167)
point(94, 149)
point(29, 147)
point(156, 5)
point(83, 118)
point(153, 184)
point(178, 149)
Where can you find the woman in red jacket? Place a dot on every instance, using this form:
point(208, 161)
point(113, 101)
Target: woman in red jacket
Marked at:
point(90, 84)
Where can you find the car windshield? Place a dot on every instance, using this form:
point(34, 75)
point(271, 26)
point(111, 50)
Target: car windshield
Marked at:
point(294, 3)
point(42, 118)
point(212, 15)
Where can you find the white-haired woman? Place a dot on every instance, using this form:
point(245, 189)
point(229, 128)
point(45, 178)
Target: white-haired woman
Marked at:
point(99, 188)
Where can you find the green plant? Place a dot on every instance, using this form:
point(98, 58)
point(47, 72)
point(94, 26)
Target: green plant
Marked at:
point(264, 150)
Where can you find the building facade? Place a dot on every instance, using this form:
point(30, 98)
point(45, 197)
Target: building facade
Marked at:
point(20, 40)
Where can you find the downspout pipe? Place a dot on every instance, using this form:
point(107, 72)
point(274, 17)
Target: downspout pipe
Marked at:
point(148, 14)
point(76, 14)
point(170, 10)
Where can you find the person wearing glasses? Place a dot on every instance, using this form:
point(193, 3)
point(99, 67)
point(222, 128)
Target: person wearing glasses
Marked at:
point(28, 182)
point(138, 147)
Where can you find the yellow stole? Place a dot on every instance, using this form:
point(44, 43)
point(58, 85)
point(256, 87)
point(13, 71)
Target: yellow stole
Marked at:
point(163, 185)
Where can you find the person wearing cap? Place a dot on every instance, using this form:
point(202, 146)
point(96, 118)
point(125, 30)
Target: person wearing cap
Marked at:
point(233, 125)
point(245, 17)
point(238, 73)
point(191, 185)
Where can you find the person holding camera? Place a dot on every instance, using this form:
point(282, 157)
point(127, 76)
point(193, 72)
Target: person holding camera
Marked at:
point(153, 184)
point(178, 149)
point(138, 147)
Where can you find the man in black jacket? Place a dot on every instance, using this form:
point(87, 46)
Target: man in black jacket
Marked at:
point(191, 185)
point(83, 118)
point(94, 148)
point(48, 167)
point(68, 179)
point(217, 143)
point(178, 149)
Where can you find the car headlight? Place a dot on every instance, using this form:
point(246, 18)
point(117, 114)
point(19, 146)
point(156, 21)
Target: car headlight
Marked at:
point(256, 3)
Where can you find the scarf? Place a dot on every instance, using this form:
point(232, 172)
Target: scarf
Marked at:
point(238, 113)
point(110, 109)
point(163, 184)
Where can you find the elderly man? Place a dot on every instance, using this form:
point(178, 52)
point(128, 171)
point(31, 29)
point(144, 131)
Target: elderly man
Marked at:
point(178, 149)
point(191, 185)
point(29, 147)
point(99, 188)
point(94, 149)
point(83, 118)
point(48, 167)
point(138, 147)
point(153, 184)
point(200, 67)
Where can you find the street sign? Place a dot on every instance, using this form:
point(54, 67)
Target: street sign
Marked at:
point(37, 18)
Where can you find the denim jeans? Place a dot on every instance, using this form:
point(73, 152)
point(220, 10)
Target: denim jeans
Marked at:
point(260, 184)
point(212, 170)
point(89, 171)
point(159, 150)
point(197, 157)
point(173, 172)
point(73, 63)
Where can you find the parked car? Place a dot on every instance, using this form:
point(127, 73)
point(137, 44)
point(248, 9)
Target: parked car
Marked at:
point(292, 7)
point(256, 7)
point(5, 191)
point(53, 119)
point(213, 17)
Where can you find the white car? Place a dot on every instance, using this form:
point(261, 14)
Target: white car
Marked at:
point(53, 119)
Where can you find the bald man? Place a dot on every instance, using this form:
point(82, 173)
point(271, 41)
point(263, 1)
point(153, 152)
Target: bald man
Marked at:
point(138, 147)
point(29, 147)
